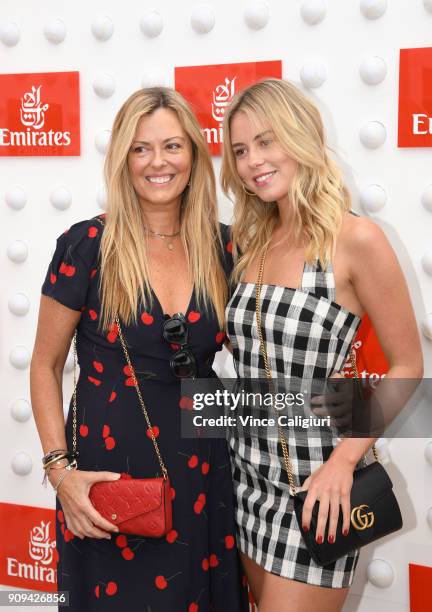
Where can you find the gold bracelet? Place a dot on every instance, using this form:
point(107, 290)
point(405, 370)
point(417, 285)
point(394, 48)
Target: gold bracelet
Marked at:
point(55, 459)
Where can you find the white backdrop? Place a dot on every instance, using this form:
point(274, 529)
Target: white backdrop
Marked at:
point(338, 43)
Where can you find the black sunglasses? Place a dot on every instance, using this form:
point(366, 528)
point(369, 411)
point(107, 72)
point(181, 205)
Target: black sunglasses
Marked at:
point(182, 363)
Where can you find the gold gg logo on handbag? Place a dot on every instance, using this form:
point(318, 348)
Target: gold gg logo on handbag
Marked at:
point(362, 520)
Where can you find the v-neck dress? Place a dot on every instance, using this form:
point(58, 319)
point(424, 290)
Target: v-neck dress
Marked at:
point(195, 568)
point(308, 336)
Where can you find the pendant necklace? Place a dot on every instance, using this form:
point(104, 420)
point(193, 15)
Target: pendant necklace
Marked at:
point(169, 244)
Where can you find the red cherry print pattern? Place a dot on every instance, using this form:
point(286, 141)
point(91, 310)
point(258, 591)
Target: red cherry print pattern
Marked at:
point(112, 396)
point(60, 516)
point(172, 493)
point(98, 366)
point(130, 382)
point(68, 535)
point(109, 443)
point(93, 273)
point(193, 462)
point(193, 607)
point(92, 232)
point(70, 270)
point(186, 403)
point(220, 337)
point(229, 247)
point(113, 333)
point(200, 503)
point(121, 541)
point(94, 381)
point(194, 316)
point(62, 527)
point(127, 371)
point(171, 536)
point(111, 588)
point(93, 315)
point(213, 560)
point(205, 564)
point(229, 542)
point(105, 431)
point(97, 590)
point(83, 431)
point(53, 278)
point(175, 347)
point(155, 429)
point(63, 268)
point(147, 318)
point(127, 554)
point(205, 468)
point(161, 582)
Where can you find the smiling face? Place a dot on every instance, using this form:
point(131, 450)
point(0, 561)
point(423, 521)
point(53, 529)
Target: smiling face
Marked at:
point(263, 166)
point(160, 158)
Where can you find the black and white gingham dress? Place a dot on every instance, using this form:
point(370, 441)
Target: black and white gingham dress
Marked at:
point(308, 336)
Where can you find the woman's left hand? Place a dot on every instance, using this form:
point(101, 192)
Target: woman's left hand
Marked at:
point(331, 485)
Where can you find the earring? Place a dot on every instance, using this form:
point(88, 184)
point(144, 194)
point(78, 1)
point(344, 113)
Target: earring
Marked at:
point(249, 193)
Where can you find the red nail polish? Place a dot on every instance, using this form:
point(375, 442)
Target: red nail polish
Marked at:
point(345, 532)
point(319, 540)
point(331, 539)
point(305, 528)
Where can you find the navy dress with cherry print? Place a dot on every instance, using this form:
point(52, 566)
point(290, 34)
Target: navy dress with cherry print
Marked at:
point(195, 568)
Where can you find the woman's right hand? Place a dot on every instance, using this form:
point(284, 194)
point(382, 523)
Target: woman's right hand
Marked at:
point(81, 517)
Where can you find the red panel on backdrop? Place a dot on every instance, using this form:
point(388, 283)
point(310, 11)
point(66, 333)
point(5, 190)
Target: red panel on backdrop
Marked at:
point(420, 578)
point(28, 554)
point(39, 114)
point(415, 98)
point(210, 89)
point(370, 358)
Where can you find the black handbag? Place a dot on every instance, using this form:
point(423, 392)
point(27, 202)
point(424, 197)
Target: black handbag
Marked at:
point(374, 508)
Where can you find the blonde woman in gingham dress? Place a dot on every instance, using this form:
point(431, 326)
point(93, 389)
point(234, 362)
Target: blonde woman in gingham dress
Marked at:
point(322, 269)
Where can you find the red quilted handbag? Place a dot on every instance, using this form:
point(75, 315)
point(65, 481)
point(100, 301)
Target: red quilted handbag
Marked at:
point(139, 506)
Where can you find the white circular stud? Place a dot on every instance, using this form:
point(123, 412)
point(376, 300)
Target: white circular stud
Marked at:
point(55, 31)
point(203, 18)
point(10, 34)
point(19, 304)
point(373, 70)
point(313, 73)
point(373, 198)
point(69, 363)
point(151, 24)
point(17, 251)
point(21, 410)
point(16, 198)
point(372, 134)
point(429, 517)
point(427, 262)
point(19, 357)
point(22, 464)
point(427, 326)
point(102, 28)
point(257, 14)
point(428, 452)
point(102, 198)
point(155, 77)
point(102, 141)
point(313, 11)
point(104, 85)
point(61, 198)
point(380, 573)
point(373, 9)
point(428, 5)
point(427, 198)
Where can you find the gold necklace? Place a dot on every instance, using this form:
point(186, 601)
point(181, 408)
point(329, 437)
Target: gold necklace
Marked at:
point(169, 245)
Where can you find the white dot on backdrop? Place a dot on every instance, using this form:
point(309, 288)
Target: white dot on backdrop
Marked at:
point(373, 198)
point(104, 85)
point(428, 452)
point(257, 14)
point(203, 18)
point(102, 28)
point(22, 464)
point(427, 198)
point(313, 11)
point(19, 304)
point(102, 198)
point(17, 251)
point(21, 410)
point(373, 70)
point(10, 34)
point(380, 573)
point(427, 262)
point(428, 5)
point(427, 326)
point(373, 9)
point(55, 31)
point(372, 134)
point(16, 198)
point(61, 198)
point(154, 77)
point(102, 141)
point(151, 24)
point(313, 73)
point(19, 357)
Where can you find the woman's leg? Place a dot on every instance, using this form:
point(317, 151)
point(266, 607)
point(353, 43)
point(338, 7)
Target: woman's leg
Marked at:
point(255, 575)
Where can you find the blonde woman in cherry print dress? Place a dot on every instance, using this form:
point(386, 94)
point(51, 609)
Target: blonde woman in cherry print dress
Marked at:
point(158, 251)
point(323, 269)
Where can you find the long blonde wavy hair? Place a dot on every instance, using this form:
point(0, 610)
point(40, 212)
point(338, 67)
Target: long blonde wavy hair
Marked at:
point(317, 193)
point(124, 282)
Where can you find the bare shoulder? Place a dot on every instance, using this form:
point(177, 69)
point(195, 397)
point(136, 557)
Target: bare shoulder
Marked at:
point(361, 235)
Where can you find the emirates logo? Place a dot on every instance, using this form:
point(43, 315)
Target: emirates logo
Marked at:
point(32, 110)
point(222, 96)
point(41, 547)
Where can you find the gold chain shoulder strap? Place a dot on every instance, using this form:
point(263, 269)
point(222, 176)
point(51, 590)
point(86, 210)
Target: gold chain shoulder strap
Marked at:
point(287, 460)
point(137, 387)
